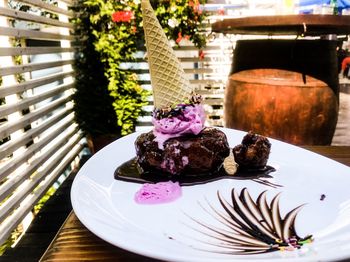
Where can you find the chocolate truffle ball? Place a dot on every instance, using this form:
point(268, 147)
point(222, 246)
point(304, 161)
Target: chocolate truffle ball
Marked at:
point(253, 152)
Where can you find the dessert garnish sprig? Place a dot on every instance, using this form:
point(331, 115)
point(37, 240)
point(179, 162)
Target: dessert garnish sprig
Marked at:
point(176, 110)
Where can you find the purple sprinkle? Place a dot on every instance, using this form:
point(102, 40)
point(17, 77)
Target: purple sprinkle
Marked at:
point(323, 196)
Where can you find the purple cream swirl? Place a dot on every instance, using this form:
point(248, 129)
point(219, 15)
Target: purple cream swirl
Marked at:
point(190, 121)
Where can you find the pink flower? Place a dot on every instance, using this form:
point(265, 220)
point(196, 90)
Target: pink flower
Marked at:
point(195, 6)
point(201, 54)
point(221, 11)
point(179, 38)
point(345, 63)
point(122, 16)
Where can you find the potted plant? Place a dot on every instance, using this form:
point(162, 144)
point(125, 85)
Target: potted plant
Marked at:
point(109, 33)
point(93, 105)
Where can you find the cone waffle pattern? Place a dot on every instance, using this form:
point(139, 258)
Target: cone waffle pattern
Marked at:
point(169, 83)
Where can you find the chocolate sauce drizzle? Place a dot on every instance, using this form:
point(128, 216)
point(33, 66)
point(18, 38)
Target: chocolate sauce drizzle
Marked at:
point(251, 227)
point(130, 171)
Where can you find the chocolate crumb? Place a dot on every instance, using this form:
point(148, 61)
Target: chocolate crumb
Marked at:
point(323, 196)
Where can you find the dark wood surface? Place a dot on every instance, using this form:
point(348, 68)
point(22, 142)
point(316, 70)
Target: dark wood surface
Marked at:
point(74, 242)
point(309, 25)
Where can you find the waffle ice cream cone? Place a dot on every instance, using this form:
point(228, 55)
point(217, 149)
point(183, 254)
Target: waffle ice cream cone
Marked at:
point(169, 83)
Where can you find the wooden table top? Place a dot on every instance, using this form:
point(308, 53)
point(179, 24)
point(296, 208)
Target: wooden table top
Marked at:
point(308, 25)
point(74, 242)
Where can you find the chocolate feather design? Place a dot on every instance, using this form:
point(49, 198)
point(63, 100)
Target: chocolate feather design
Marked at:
point(251, 227)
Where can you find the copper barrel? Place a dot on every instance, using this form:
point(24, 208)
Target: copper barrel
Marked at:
point(278, 104)
point(296, 103)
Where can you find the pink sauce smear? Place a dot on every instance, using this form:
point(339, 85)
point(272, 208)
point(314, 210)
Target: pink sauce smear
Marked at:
point(159, 193)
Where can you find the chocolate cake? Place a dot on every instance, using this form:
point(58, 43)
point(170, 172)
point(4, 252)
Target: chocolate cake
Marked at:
point(185, 155)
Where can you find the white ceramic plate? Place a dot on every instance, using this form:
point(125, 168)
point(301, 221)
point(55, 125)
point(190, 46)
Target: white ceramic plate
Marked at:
point(173, 231)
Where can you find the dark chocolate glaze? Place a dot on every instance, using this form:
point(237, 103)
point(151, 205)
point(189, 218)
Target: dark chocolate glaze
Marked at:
point(265, 231)
point(130, 171)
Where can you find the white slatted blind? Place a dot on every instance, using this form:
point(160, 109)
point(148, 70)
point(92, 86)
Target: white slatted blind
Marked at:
point(38, 136)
